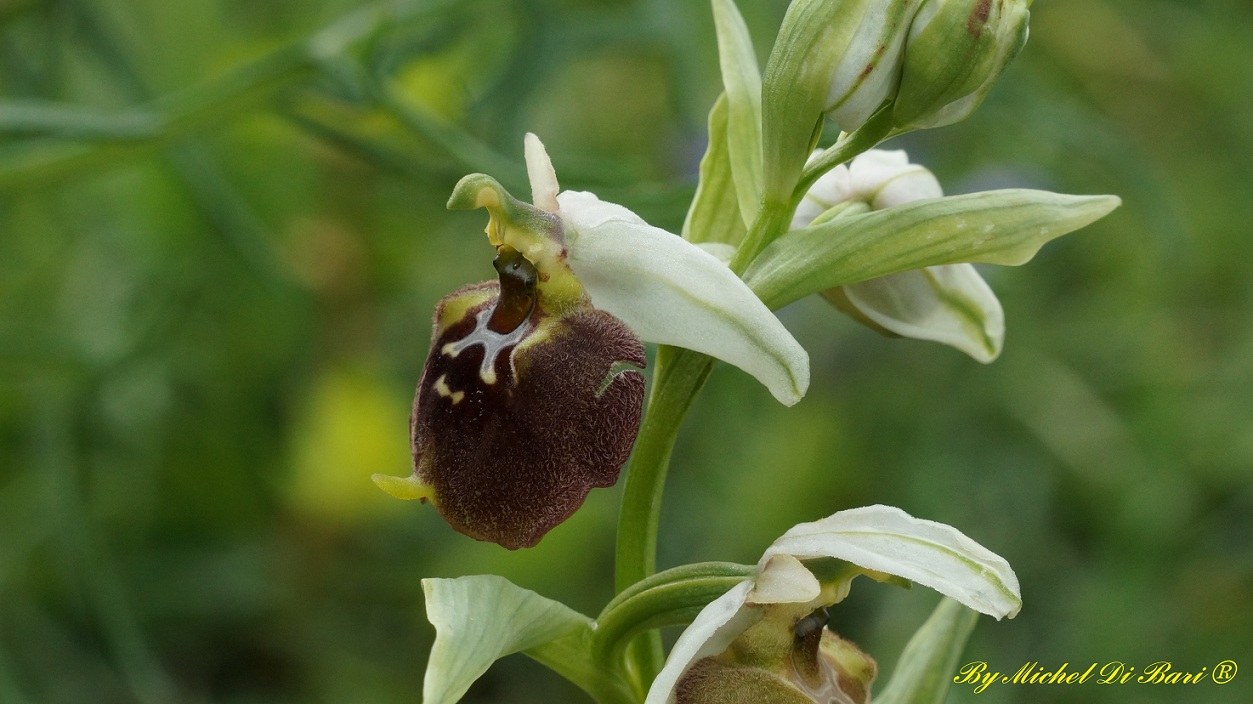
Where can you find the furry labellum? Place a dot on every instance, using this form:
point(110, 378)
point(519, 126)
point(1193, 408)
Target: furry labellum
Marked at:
point(532, 390)
point(519, 412)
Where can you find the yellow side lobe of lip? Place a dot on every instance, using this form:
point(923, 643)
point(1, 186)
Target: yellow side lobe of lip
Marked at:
point(407, 488)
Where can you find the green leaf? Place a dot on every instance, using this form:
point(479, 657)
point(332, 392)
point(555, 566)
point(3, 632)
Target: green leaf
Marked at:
point(715, 212)
point(994, 227)
point(481, 618)
point(926, 666)
point(742, 80)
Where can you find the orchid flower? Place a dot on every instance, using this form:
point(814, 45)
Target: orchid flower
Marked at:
point(531, 393)
point(766, 635)
point(950, 304)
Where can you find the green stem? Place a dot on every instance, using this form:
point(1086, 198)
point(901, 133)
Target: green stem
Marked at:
point(679, 374)
point(772, 220)
point(605, 684)
point(878, 128)
point(678, 377)
point(775, 216)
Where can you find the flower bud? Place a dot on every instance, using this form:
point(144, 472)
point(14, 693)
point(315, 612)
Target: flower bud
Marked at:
point(950, 304)
point(839, 57)
point(787, 657)
point(868, 71)
point(955, 52)
point(765, 641)
point(530, 396)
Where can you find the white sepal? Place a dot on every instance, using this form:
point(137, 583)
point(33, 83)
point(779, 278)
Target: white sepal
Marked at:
point(712, 632)
point(886, 539)
point(540, 172)
point(672, 292)
point(878, 539)
point(949, 304)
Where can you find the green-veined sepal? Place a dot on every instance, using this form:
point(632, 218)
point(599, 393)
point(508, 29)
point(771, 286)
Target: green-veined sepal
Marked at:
point(1004, 227)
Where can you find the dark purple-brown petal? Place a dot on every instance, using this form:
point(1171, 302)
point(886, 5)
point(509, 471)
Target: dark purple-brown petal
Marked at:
point(512, 429)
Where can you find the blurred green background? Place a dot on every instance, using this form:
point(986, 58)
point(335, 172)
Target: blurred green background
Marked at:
point(222, 234)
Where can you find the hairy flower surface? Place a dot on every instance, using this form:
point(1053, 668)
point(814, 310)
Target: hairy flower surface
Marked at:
point(512, 427)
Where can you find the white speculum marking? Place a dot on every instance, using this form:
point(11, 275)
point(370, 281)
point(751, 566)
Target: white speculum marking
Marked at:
point(441, 388)
point(493, 344)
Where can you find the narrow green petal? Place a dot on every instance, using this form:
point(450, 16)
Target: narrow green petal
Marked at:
point(924, 672)
point(995, 227)
point(715, 212)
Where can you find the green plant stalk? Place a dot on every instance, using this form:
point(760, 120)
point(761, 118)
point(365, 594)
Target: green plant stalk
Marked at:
point(568, 658)
point(679, 375)
point(771, 221)
point(775, 216)
point(878, 128)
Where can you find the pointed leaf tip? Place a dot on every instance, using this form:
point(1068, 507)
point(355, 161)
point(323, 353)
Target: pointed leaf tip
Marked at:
point(924, 671)
point(481, 618)
point(1005, 227)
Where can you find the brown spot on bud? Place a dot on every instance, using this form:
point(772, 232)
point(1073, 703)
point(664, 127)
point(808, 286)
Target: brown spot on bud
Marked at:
point(547, 411)
point(978, 18)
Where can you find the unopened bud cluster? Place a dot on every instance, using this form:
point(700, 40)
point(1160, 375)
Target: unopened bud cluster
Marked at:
point(927, 62)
